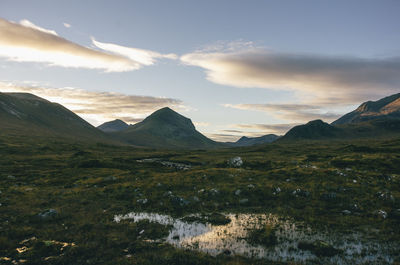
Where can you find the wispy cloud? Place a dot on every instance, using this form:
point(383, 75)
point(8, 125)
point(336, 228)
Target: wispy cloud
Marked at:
point(267, 128)
point(221, 137)
point(325, 79)
point(290, 112)
point(140, 56)
point(98, 107)
point(27, 23)
point(26, 42)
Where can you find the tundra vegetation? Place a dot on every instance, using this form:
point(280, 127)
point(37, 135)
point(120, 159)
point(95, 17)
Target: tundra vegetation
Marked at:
point(58, 198)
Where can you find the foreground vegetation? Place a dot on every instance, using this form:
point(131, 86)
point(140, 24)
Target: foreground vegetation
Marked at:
point(58, 199)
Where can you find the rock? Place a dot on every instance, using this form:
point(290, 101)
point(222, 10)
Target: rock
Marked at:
point(214, 191)
point(235, 161)
point(251, 186)
point(11, 177)
point(142, 201)
point(48, 214)
point(159, 184)
point(302, 193)
point(386, 196)
point(381, 213)
point(243, 201)
point(196, 199)
point(276, 191)
point(110, 178)
point(237, 192)
point(168, 193)
point(346, 212)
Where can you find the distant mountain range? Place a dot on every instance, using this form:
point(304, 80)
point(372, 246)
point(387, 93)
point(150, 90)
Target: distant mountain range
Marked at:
point(250, 141)
point(371, 119)
point(27, 115)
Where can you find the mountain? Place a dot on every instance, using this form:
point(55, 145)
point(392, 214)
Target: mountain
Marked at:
point(113, 126)
point(313, 130)
point(165, 128)
point(25, 114)
point(385, 108)
point(249, 141)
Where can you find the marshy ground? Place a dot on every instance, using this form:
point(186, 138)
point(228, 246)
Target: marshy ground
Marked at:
point(316, 202)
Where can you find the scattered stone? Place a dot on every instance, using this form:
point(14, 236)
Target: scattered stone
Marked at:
point(168, 193)
point(354, 181)
point(237, 192)
point(110, 178)
point(346, 212)
point(243, 201)
point(276, 191)
point(381, 213)
point(48, 214)
point(214, 191)
point(386, 196)
point(235, 161)
point(142, 201)
point(300, 192)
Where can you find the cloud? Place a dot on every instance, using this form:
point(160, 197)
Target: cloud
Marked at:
point(27, 23)
point(27, 42)
point(325, 79)
point(268, 128)
point(220, 137)
point(98, 107)
point(142, 57)
point(290, 112)
point(67, 25)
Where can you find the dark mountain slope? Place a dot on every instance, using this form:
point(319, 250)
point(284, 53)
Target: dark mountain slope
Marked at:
point(166, 128)
point(313, 130)
point(113, 126)
point(27, 114)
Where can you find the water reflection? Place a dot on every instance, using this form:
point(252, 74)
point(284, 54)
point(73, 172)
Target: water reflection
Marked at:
point(231, 238)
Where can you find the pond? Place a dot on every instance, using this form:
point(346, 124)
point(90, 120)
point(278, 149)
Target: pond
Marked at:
point(355, 248)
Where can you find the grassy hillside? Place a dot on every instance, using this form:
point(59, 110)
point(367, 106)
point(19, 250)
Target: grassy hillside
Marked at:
point(26, 115)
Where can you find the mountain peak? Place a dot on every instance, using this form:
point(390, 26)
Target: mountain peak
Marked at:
point(165, 128)
point(113, 126)
point(387, 107)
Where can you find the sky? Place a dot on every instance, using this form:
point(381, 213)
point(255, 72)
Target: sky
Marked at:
point(234, 67)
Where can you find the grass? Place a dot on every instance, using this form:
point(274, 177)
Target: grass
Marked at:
point(87, 184)
point(264, 236)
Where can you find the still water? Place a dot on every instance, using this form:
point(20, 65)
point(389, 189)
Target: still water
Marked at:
point(231, 238)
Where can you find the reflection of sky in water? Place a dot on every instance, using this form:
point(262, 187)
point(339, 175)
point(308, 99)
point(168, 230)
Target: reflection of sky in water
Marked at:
point(215, 239)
